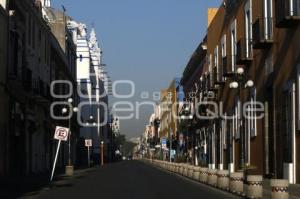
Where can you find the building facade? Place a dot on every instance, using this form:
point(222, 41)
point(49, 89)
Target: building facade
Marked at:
point(35, 60)
point(252, 70)
point(92, 83)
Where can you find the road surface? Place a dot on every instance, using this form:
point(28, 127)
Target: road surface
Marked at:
point(129, 180)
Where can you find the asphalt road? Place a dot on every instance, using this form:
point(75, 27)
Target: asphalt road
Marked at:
point(130, 180)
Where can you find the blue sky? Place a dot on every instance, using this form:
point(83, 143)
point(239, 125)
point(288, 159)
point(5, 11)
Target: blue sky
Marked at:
point(146, 41)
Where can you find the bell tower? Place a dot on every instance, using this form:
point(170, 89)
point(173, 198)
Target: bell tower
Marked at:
point(47, 3)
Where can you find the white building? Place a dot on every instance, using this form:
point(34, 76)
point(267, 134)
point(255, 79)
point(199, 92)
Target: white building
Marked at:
point(92, 86)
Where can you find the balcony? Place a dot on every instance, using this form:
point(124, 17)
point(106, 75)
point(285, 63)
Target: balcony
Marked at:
point(244, 54)
point(263, 33)
point(218, 76)
point(287, 13)
point(40, 91)
point(226, 71)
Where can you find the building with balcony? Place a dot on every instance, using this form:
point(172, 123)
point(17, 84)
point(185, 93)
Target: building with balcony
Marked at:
point(253, 56)
point(35, 59)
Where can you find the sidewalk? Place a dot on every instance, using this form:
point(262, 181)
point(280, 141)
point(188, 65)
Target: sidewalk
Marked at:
point(294, 190)
point(15, 187)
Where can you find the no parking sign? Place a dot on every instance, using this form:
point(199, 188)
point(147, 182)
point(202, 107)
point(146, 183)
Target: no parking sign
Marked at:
point(61, 133)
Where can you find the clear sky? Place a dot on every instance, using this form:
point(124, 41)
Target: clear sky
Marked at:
point(146, 41)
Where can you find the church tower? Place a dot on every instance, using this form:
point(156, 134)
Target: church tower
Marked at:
point(47, 3)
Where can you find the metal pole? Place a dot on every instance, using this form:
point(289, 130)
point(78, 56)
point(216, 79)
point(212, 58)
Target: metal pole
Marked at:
point(89, 163)
point(55, 159)
point(187, 141)
point(102, 162)
point(69, 162)
point(170, 137)
point(241, 128)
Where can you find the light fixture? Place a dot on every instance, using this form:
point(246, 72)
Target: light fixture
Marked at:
point(64, 110)
point(102, 142)
point(70, 100)
point(75, 109)
point(234, 85)
point(190, 117)
point(240, 71)
point(250, 84)
point(91, 117)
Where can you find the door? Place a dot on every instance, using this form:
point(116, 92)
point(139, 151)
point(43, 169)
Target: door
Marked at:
point(288, 133)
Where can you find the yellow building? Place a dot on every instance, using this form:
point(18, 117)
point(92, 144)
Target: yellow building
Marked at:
point(168, 102)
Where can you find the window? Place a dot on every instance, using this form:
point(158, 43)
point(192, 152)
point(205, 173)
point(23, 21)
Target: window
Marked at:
point(267, 20)
point(210, 70)
point(224, 131)
point(236, 118)
point(223, 46)
point(288, 110)
point(298, 95)
point(216, 62)
point(248, 26)
point(29, 29)
point(33, 34)
point(294, 7)
point(223, 69)
point(233, 45)
point(269, 64)
point(253, 122)
point(251, 119)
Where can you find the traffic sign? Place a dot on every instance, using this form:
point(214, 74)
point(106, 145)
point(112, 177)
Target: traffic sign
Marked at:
point(61, 133)
point(164, 143)
point(88, 142)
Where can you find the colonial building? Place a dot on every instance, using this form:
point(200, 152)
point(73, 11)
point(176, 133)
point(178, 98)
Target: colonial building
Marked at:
point(36, 59)
point(93, 89)
point(253, 57)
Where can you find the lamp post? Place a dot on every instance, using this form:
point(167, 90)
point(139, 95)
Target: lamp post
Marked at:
point(241, 79)
point(69, 167)
point(102, 153)
point(187, 115)
point(196, 155)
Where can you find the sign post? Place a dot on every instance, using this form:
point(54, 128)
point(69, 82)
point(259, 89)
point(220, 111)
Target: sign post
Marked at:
point(61, 134)
point(88, 144)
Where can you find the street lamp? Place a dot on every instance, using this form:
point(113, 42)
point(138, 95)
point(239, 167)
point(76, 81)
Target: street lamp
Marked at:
point(64, 110)
point(187, 116)
point(69, 167)
point(74, 109)
point(241, 79)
